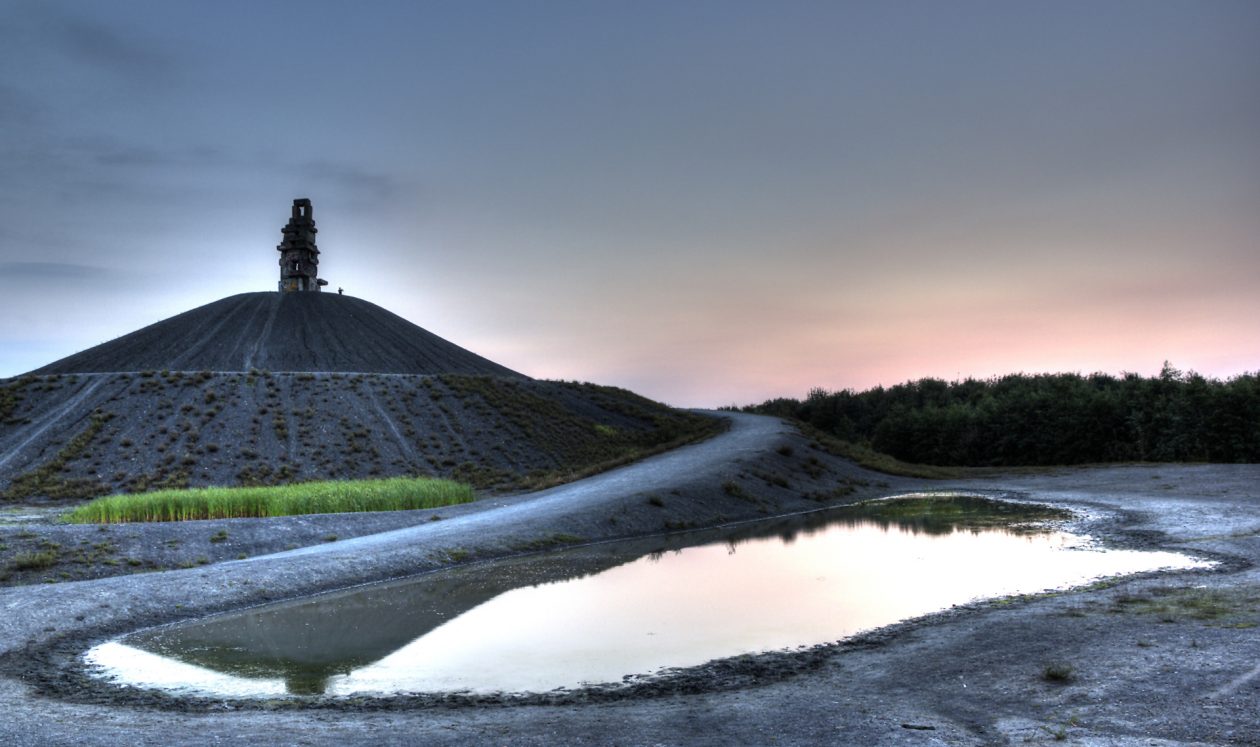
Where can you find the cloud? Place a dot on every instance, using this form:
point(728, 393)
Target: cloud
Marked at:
point(61, 271)
point(103, 47)
point(18, 108)
point(111, 151)
point(361, 184)
point(37, 40)
point(131, 156)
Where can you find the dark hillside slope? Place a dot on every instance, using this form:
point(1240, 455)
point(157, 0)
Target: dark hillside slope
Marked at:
point(268, 388)
point(74, 436)
point(281, 332)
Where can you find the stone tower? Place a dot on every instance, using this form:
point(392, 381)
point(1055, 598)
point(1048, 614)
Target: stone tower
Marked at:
point(299, 257)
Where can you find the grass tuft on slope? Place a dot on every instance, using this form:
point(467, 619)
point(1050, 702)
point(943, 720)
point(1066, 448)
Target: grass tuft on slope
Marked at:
point(336, 496)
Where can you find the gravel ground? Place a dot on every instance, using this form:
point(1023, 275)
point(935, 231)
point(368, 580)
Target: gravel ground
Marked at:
point(74, 436)
point(1160, 659)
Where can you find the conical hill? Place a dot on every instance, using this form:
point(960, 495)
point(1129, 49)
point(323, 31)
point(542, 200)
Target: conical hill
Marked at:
point(293, 332)
point(266, 388)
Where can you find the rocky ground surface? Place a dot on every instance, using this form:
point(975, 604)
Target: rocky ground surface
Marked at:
point(1168, 658)
point(70, 436)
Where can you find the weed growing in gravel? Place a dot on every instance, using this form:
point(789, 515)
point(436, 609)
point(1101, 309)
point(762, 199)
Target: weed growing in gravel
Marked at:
point(1058, 733)
point(394, 494)
point(1176, 604)
point(47, 480)
point(10, 396)
point(547, 543)
point(27, 561)
point(1058, 672)
point(733, 489)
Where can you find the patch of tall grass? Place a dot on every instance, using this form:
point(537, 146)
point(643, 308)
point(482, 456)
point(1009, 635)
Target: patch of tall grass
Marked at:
point(337, 496)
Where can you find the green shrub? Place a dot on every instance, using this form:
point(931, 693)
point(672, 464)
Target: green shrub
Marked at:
point(28, 561)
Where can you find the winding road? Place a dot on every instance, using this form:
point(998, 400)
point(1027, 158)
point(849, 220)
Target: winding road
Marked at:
point(28, 610)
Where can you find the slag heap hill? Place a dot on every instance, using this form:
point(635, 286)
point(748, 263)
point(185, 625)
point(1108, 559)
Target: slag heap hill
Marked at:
point(297, 385)
point(304, 332)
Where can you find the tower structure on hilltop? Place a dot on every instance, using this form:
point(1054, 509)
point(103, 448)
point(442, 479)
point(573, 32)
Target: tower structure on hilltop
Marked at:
point(299, 257)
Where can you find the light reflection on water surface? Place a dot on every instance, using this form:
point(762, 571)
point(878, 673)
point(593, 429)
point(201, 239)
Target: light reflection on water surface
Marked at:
point(598, 614)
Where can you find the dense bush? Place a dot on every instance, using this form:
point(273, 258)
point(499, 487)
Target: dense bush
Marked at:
point(1045, 419)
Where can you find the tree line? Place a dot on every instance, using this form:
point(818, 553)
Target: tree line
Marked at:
point(1044, 419)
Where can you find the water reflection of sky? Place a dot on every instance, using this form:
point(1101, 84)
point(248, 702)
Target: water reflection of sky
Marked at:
point(144, 669)
point(683, 608)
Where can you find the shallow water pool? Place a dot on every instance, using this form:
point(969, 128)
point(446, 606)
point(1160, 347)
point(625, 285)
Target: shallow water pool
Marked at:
point(600, 614)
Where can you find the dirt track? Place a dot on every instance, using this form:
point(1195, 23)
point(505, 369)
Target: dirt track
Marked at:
point(1168, 659)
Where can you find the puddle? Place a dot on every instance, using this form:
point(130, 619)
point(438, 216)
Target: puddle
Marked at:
point(601, 614)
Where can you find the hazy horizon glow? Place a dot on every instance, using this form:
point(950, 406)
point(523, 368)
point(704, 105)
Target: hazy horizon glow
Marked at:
point(705, 202)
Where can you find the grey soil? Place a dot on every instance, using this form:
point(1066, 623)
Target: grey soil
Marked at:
point(1163, 659)
point(70, 436)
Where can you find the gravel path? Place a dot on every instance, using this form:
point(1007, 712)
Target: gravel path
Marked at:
point(1148, 668)
point(31, 610)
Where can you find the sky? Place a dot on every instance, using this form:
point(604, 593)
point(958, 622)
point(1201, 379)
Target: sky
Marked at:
point(705, 202)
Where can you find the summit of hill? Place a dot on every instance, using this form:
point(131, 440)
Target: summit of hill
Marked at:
point(300, 385)
point(292, 332)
